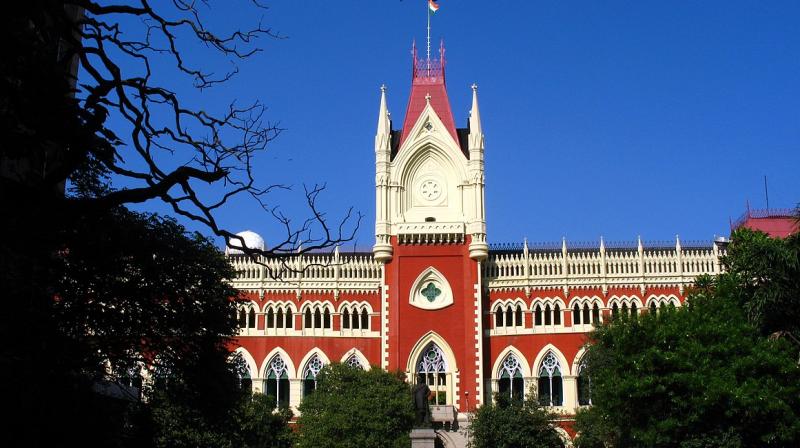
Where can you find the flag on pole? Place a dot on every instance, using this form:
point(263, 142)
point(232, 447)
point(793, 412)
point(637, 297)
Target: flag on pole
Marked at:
point(432, 6)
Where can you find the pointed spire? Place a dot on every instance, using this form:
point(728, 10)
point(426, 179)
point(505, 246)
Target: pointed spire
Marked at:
point(639, 246)
point(677, 243)
point(474, 113)
point(525, 246)
point(384, 125)
point(602, 244)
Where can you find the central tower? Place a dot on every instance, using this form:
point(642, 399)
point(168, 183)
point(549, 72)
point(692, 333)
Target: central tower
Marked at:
point(430, 233)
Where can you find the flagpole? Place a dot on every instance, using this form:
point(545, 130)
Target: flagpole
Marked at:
point(428, 10)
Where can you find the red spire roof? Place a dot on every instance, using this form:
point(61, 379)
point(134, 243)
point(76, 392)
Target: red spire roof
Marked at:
point(428, 79)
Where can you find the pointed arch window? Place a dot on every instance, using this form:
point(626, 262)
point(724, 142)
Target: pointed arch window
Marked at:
point(326, 319)
point(317, 319)
point(653, 307)
point(634, 311)
point(242, 318)
point(498, 317)
point(310, 373)
point(586, 314)
point(537, 315)
point(432, 368)
point(596, 314)
point(614, 311)
point(289, 318)
point(307, 319)
point(354, 362)
point(584, 384)
point(550, 386)
point(576, 315)
point(364, 319)
point(510, 316)
point(346, 318)
point(270, 318)
point(511, 382)
point(251, 318)
point(279, 318)
point(548, 318)
point(277, 381)
point(518, 316)
point(557, 314)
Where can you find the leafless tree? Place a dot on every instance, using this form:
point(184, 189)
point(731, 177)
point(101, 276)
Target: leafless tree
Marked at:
point(171, 150)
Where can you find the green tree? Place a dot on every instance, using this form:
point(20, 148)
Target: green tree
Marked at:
point(352, 407)
point(264, 427)
point(699, 375)
point(510, 423)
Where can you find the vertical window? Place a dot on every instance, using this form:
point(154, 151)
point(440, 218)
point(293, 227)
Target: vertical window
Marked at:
point(289, 318)
point(557, 315)
point(634, 312)
point(509, 316)
point(653, 307)
point(307, 320)
point(326, 319)
point(596, 314)
point(251, 318)
point(346, 318)
point(432, 368)
point(550, 387)
point(270, 318)
point(624, 309)
point(547, 316)
point(498, 318)
point(518, 316)
point(614, 311)
point(576, 315)
point(364, 320)
point(537, 315)
point(511, 382)
point(242, 318)
point(586, 317)
point(584, 384)
point(277, 381)
point(310, 375)
point(279, 318)
point(317, 319)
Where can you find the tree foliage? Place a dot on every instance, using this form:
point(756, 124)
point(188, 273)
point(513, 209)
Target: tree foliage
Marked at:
point(703, 374)
point(353, 407)
point(508, 423)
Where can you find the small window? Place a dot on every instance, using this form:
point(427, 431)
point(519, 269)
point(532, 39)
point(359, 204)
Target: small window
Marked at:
point(518, 316)
point(317, 319)
point(326, 323)
point(270, 318)
point(346, 318)
point(279, 318)
point(547, 316)
point(557, 315)
point(364, 320)
point(596, 314)
point(509, 316)
point(251, 318)
point(537, 315)
point(498, 318)
point(289, 318)
point(307, 322)
point(576, 315)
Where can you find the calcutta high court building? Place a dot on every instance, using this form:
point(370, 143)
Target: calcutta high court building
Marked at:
point(433, 298)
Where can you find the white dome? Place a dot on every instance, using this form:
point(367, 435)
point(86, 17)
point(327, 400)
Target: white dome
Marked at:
point(252, 240)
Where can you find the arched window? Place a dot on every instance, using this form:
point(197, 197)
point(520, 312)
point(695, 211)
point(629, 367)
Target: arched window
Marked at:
point(550, 388)
point(277, 381)
point(432, 367)
point(364, 320)
point(557, 314)
point(576, 315)
point(498, 318)
point(279, 318)
point(509, 316)
point(548, 318)
point(242, 318)
point(537, 315)
point(270, 318)
point(310, 373)
point(634, 312)
point(354, 362)
point(251, 318)
point(584, 384)
point(518, 316)
point(307, 321)
point(346, 318)
point(245, 382)
point(653, 307)
point(317, 319)
point(511, 382)
point(586, 316)
point(624, 309)
point(615, 311)
point(326, 319)
point(289, 318)
point(596, 314)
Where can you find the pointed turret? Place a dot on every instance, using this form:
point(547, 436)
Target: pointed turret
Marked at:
point(475, 115)
point(383, 150)
point(384, 124)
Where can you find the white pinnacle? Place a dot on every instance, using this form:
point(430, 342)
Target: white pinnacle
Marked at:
point(474, 113)
point(384, 125)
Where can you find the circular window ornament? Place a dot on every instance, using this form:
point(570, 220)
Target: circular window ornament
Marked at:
point(430, 190)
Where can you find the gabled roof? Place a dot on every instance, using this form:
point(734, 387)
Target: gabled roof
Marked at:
point(428, 82)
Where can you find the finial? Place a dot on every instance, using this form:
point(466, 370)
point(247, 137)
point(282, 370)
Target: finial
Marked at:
point(474, 87)
point(383, 88)
point(428, 98)
point(602, 243)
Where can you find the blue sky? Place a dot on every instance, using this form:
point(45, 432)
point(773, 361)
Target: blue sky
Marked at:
point(613, 118)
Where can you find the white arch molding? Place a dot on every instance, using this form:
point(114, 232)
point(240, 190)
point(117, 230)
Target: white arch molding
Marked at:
point(360, 356)
point(427, 278)
point(290, 369)
point(314, 351)
point(498, 362)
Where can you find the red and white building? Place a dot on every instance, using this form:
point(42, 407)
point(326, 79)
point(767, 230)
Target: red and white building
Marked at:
point(434, 298)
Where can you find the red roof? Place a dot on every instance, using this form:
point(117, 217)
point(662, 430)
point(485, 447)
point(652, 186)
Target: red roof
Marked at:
point(428, 80)
point(778, 223)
